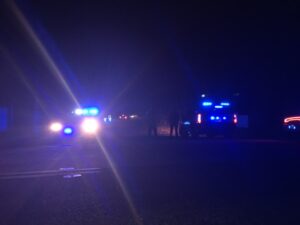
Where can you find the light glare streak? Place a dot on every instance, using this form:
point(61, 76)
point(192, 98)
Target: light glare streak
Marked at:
point(43, 51)
point(120, 182)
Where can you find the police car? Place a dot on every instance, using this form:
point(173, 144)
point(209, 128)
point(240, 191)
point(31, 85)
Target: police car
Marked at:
point(212, 118)
point(82, 122)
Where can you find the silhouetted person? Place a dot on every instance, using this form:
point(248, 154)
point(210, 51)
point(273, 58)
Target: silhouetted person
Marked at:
point(174, 122)
point(152, 122)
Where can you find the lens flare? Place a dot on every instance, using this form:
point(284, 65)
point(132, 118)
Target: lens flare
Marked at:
point(41, 48)
point(121, 183)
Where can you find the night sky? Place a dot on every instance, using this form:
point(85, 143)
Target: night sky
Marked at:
point(135, 54)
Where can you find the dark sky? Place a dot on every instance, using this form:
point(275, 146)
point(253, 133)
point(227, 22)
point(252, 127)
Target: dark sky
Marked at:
point(137, 53)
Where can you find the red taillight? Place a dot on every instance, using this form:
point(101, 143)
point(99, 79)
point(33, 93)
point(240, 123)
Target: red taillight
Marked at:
point(235, 119)
point(199, 119)
point(292, 119)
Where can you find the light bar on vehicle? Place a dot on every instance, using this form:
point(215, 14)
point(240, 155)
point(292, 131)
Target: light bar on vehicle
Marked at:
point(89, 111)
point(225, 104)
point(291, 119)
point(207, 103)
point(93, 111)
point(78, 112)
point(218, 106)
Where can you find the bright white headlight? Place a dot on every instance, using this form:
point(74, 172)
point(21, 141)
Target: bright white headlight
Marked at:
point(90, 125)
point(55, 127)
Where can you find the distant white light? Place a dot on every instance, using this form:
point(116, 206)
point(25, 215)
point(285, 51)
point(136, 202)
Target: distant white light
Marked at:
point(133, 116)
point(203, 96)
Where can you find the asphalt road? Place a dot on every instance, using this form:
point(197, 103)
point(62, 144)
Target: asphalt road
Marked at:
point(151, 181)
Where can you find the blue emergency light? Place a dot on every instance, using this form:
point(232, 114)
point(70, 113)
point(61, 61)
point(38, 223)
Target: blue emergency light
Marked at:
point(93, 111)
point(88, 111)
point(68, 130)
point(206, 103)
point(225, 104)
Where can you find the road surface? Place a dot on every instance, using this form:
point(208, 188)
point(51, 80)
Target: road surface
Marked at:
point(155, 181)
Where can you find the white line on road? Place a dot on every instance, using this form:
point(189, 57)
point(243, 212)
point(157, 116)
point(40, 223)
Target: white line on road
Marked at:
point(45, 173)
